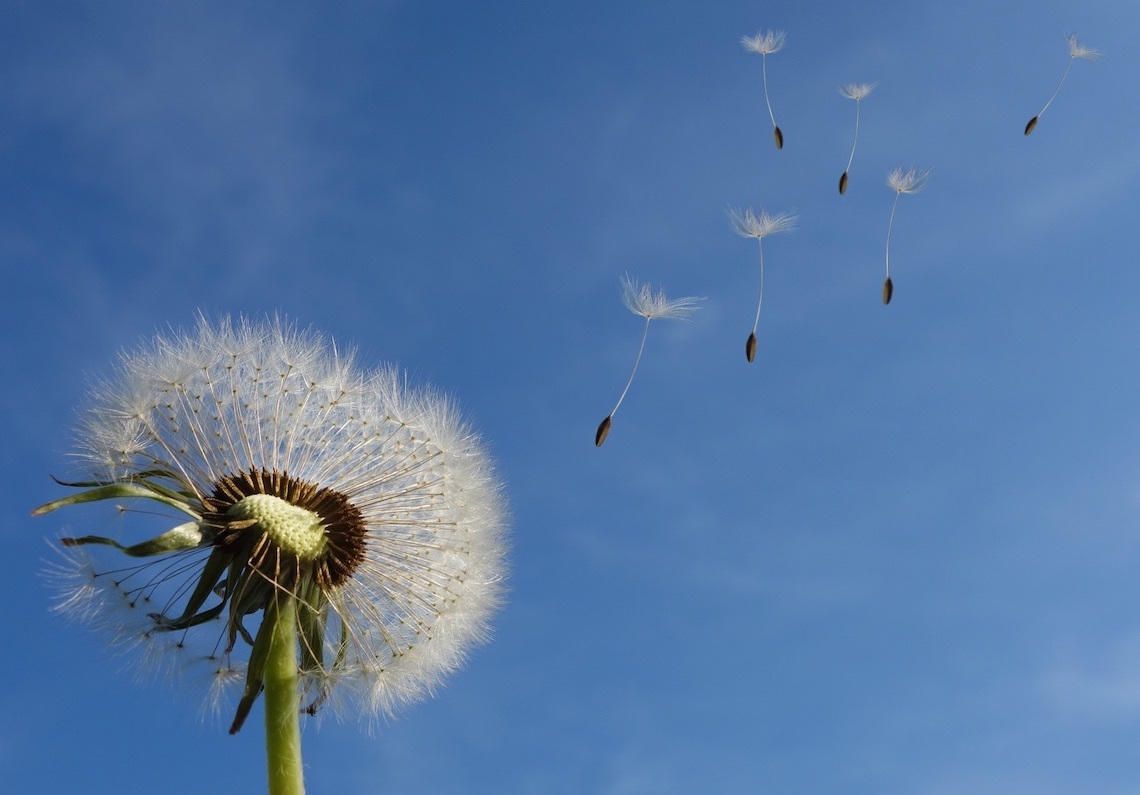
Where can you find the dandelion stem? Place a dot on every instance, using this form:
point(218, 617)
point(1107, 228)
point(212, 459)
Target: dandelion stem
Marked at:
point(855, 140)
point(760, 297)
point(637, 361)
point(764, 72)
point(890, 225)
point(1057, 90)
point(282, 700)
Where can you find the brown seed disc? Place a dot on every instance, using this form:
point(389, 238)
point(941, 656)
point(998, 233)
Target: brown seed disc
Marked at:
point(603, 431)
point(1029, 127)
point(843, 184)
point(342, 521)
point(779, 136)
point(888, 290)
point(750, 347)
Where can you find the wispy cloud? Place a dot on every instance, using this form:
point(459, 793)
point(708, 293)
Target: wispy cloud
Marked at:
point(201, 129)
point(1105, 690)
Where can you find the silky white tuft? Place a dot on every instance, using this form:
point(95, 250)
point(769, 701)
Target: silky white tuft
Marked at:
point(907, 180)
point(857, 91)
point(764, 43)
point(641, 299)
point(1078, 50)
point(760, 225)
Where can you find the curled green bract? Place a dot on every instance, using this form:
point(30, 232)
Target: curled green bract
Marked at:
point(140, 487)
point(184, 536)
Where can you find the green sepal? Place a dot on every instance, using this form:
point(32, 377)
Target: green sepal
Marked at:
point(184, 536)
point(212, 572)
point(342, 645)
point(134, 489)
point(312, 613)
point(314, 635)
point(255, 668)
point(147, 476)
point(251, 593)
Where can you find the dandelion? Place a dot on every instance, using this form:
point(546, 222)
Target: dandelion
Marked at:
point(764, 44)
point(855, 91)
point(749, 224)
point(341, 536)
point(1076, 50)
point(643, 301)
point(901, 181)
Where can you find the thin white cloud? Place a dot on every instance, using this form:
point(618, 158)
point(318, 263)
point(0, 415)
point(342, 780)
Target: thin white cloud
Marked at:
point(200, 128)
point(1064, 199)
point(1105, 690)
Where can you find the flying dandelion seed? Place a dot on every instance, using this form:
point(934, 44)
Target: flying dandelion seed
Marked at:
point(766, 43)
point(345, 534)
point(643, 301)
point(1076, 50)
point(901, 181)
point(749, 224)
point(855, 91)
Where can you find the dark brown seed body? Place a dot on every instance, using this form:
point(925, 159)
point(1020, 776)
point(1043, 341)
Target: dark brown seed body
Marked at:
point(843, 184)
point(750, 347)
point(1029, 127)
point(603, 431)
point(888, 290)
point(779, 136)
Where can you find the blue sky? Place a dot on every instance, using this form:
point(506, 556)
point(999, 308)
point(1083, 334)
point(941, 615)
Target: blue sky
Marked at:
point(896, 554)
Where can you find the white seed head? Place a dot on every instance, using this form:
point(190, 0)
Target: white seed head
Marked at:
point(857, 91)
point(765, 42)
point(371, 502)
point(1078, 50)
point(760, 225)
point(907, 180)
point(642, 300)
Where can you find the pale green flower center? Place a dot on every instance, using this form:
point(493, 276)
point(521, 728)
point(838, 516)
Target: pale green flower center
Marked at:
point(293, 529)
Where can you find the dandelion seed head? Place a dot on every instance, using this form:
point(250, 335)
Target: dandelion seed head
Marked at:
point(1078, 50)
point(907, 180)
point(857, 91)
point(765, 42)
point(760, 225)
point(641, 299)
point(371, 502)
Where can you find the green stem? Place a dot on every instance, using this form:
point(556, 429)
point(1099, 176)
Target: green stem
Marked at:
point(283, 700)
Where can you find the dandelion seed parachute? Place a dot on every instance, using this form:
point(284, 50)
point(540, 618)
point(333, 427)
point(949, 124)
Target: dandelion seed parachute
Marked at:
point(1077, 51)
point(764, 44)
point(642, 300)
point(900, 180)
point(371, 505)
point(759, 226)
point(857, 92)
